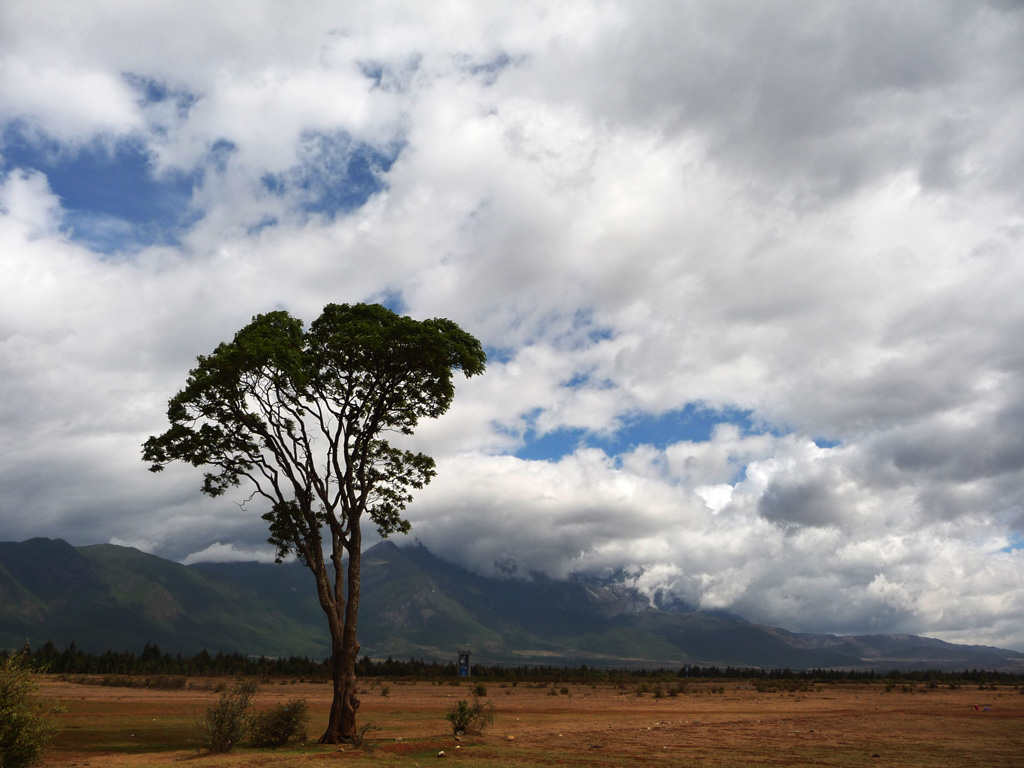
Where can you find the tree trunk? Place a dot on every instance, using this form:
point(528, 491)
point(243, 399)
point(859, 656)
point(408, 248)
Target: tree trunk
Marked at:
point(341, 723)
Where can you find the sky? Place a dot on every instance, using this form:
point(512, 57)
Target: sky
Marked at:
point(749, 276)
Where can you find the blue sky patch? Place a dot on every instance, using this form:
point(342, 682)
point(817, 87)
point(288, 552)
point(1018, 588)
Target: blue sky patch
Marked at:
point(499, 354)
point(553, 445)
point(111, 199)
point(693, 423)
point(155, 92)
point(113, 202)
point(1016, 542)
point(337, 174)
point(393, 300)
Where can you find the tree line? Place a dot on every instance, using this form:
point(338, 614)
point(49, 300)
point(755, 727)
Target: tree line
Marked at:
point(50, 659)
point(152, 661)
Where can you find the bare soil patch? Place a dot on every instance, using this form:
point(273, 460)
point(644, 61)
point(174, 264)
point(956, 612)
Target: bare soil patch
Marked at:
point(725, 723)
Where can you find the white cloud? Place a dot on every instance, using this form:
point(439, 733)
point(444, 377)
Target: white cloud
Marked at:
point(219, 552)
point(67, 103)
point(806, 214)
point(29, 209)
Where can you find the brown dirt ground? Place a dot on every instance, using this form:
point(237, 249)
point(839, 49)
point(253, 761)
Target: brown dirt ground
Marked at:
point(830, 725)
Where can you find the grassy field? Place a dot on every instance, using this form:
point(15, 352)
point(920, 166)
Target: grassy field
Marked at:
point(709, 724)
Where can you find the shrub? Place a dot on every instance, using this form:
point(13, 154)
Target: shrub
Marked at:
point(227, 720)
point(168, 682)
point(360, 740)
point(466, 718)
point(24, 726)
point(277, 726)
point(479, 689)
point(385, 689)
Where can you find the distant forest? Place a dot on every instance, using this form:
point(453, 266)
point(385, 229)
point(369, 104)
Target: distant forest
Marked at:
point(48, 658)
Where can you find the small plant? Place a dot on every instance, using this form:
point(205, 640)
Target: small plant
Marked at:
point(659, 692)
point(385, 689)
point(24, 726)
point(277, 726)
point(359, 740)
point(479, 689)
point(227, 720)
point(466, 718)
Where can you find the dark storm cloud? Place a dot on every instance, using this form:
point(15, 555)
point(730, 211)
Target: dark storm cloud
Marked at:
point(808, 503)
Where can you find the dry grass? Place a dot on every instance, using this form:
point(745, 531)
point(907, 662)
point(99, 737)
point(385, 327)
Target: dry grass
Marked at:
point(832, 725)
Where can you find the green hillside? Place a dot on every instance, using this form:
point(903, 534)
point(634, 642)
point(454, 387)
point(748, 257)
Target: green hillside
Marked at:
point(413, 605)
point(108, 597)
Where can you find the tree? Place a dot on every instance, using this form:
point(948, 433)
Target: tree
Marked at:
point(302, 417)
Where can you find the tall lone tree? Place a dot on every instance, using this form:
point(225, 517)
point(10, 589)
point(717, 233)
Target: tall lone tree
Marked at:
point(302, 417)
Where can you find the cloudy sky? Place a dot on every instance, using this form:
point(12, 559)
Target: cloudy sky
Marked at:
point(749, 275)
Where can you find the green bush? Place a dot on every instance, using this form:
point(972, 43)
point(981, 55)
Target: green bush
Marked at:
point(227, 720)
point(24, 726)
point(466, 718)
point(277, 726)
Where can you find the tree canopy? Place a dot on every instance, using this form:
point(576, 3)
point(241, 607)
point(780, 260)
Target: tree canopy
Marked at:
point(301, 414)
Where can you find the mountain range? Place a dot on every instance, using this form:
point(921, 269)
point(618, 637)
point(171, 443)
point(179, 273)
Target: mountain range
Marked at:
point(413, 605)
